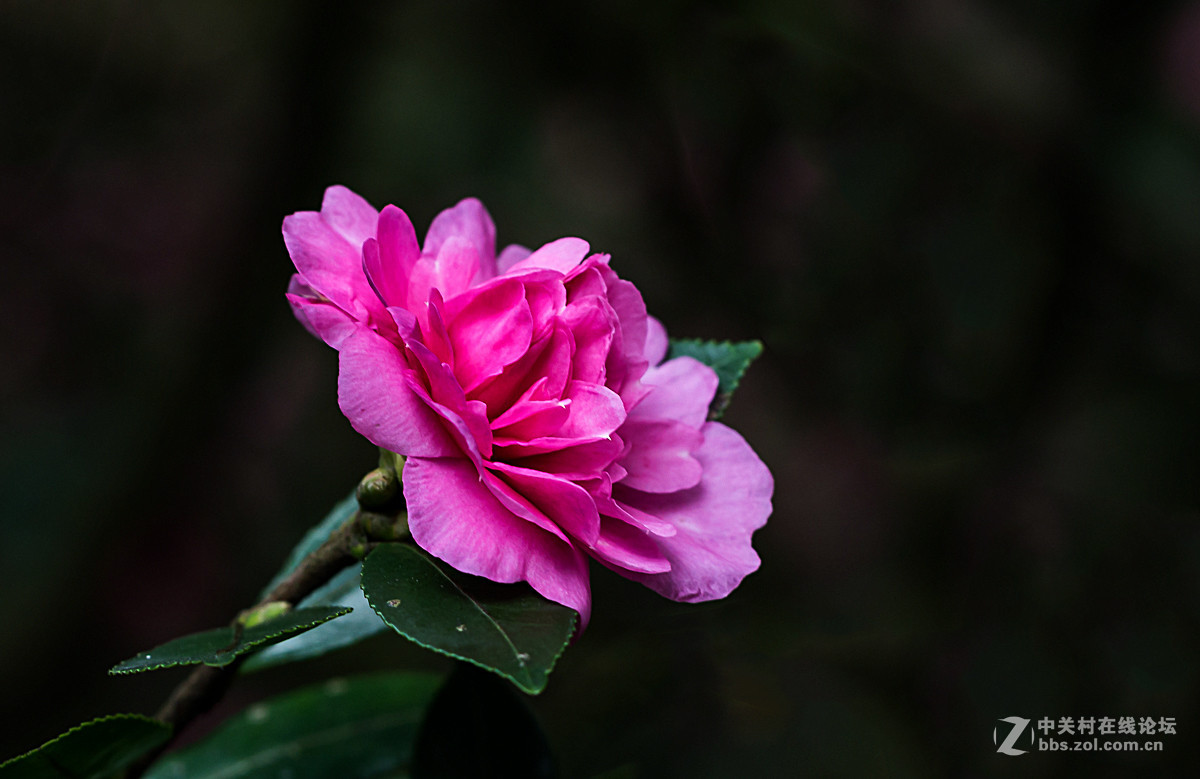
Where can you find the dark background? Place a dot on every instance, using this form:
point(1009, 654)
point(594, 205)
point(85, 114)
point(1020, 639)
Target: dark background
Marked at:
point(966, 230)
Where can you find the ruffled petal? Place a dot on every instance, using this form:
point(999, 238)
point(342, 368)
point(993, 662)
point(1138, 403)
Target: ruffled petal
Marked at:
point(437, 386)
point(456, 518)
point(546, 363)
point(625, 547)
point(471, 222)
point(657, 342)
point(490, 327)
point(660, 455)
point(375, 395)
point(320, 245)
point(565, 502)
point(578, 462)
point(348, 214)
point(320, 317)
point(681, 389)
point(710, 552)
point(561, 255)
point(510, 256)
point(389, 258)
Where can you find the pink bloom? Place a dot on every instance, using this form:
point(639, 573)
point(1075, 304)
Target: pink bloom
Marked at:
point(527, 392)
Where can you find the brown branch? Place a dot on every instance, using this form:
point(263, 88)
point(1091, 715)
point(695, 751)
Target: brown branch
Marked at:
point(206, 684)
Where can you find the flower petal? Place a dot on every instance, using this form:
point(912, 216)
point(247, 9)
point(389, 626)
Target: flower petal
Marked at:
point(657, 342)
point(375, 395)
point(454, 517)
point(320, 317)
point(624, 546)
point(389, 258)
point(349, 214)
point(490, 327)
point(710, 552)
point(660, 455)
point(439, 389)
point(680, 389)
point(469, 221)
point(326, 249)
point(547, 364)
point(566, 503)
point(510, 256)
point(578, 462)
point(561, 255)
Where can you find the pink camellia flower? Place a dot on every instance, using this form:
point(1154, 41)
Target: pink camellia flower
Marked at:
point(529, 395)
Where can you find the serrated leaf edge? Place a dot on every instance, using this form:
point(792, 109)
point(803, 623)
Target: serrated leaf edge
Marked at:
point(527, 687)
point(106, 718)
point(737, 380)
point(242, 647)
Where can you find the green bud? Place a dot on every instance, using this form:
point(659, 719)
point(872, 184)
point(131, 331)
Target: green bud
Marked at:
point(389, 459)
point(264, 613)
point(383, 527)
point(377, 488)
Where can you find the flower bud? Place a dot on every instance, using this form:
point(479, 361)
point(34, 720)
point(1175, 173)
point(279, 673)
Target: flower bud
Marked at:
point(377, 488)
point(383, 527)
point(264, 613)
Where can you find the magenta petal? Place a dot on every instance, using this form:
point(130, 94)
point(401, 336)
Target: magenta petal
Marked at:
point(636, 517)
point(563, 501)
point(593, 325)
point(490, 327)
point(457, 265)
point(324, 320)
point(528, 418)
point(455, 518)
point(388, 260)
point(657, 342)
point(439, 388)
point(582, 461)
point(624, 546)
point(319, 316)
point(561, 255)
point(326, 249)
point(680, 389)
point(349, 214)
point(511, 255)
point(547, 364)
point(470, 221)
point(328, 264)
point(435, 334)
point(630, 308)
point(710, 552)
point(375, 395)
point(660, 456)
point(518, 504)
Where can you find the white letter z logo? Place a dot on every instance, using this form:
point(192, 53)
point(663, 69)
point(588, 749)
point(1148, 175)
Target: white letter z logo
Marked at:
point(1018, 727)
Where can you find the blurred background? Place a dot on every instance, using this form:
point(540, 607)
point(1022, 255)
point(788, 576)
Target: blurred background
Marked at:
point(967, 231)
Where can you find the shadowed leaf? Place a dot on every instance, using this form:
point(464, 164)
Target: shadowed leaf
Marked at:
point(505, 628)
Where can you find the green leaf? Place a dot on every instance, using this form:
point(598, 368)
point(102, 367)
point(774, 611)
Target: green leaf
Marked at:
point(316, 536)
point(221, 646)
point(95, 749)
point(352, 728)
point(730, 360)
point(361, 623)
point(505, 628)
